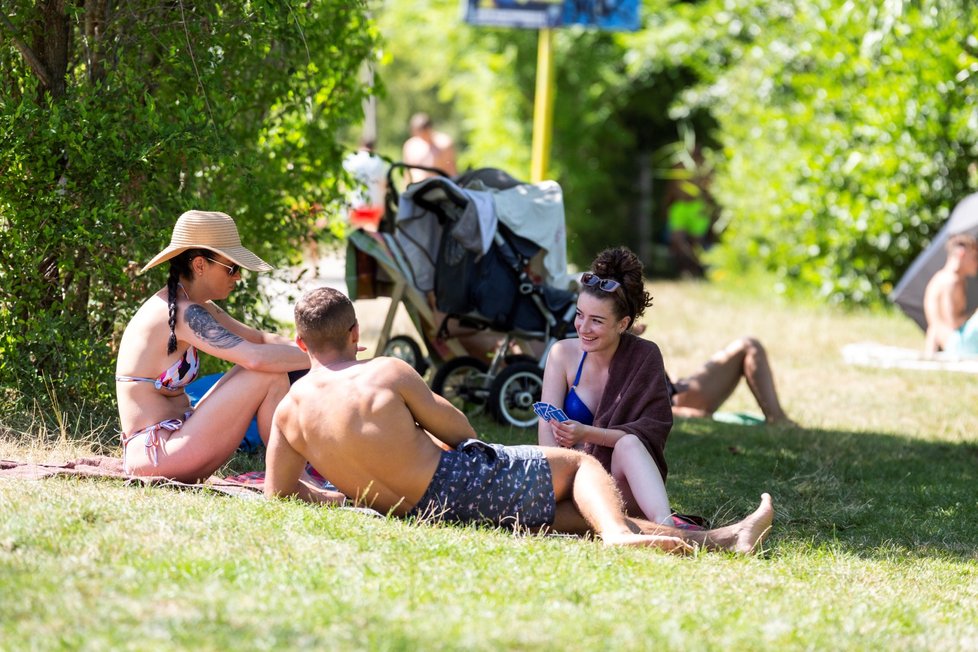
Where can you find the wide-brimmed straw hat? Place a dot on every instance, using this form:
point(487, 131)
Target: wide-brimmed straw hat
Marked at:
point(208, 230)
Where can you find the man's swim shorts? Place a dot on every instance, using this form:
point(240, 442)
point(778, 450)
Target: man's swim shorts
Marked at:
point(490, 484)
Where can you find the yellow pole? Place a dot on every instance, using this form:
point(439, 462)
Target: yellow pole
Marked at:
point(543, 107)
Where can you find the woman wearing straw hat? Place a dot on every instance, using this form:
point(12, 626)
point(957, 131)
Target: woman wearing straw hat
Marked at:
point(158, 357)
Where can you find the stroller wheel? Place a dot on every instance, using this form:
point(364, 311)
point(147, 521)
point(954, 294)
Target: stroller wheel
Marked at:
point(463, 381)
point(514, 391)
point(405, 348)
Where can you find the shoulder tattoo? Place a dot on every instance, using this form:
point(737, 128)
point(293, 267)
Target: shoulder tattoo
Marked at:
point(203, 324)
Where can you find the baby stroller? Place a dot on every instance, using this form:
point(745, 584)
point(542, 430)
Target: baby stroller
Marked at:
point(482, 269)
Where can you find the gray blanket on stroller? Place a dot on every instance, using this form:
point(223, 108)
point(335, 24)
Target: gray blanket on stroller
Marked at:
point(636, 400)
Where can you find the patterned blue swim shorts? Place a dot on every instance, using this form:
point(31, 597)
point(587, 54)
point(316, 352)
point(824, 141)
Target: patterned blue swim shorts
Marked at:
point(490, 484)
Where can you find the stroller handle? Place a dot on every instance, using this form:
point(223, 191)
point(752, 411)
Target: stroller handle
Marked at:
point(393, 196)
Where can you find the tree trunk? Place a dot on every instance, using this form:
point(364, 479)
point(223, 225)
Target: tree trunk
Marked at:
point(51, 45)
point(643, 212)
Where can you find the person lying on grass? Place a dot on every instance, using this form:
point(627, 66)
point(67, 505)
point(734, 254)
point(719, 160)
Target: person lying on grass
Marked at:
point(379, 434)
point(701, 393)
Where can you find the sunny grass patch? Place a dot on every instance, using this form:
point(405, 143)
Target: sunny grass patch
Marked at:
point(873, 545)
point(691, 320)
point(101, 566)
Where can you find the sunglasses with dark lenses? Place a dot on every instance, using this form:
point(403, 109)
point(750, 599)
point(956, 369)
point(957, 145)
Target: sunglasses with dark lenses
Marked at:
point(606, 284)
point(232, 269)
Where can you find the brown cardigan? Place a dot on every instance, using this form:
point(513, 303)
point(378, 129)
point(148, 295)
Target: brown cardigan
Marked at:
point(635, 400)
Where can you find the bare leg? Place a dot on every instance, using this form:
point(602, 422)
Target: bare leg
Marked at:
point(639, 480)
point(709, 387)
point(581, 480)
point(568, 520)
point(760, 379)
point(478, 343)
point(210, 436)
point(744, 537)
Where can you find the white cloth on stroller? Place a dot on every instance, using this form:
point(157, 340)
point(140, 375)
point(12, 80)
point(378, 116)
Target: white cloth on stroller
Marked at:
point(532, 211)
point(536, 212)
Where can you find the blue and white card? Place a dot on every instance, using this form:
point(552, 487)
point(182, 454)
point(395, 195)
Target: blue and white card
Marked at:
point(546, 411)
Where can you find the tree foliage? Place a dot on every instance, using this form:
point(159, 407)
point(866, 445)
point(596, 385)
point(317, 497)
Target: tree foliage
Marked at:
point(610, 115)
point(848, 130)
point(841, 132)
point(115, 117)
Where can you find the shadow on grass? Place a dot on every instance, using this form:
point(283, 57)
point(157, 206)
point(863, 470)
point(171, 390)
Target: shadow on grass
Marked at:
point(870, 494)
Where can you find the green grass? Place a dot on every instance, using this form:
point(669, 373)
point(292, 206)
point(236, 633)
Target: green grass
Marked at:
point(873, 548)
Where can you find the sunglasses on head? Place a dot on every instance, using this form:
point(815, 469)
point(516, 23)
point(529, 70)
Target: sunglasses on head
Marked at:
point(606, 284)
point(232, 269)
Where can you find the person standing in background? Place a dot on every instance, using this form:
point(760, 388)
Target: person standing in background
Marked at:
point(690, 213)
point(366, 199)
point(428, 148)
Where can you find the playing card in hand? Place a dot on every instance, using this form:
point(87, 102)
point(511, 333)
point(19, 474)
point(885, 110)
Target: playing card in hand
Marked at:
point(546, 411)
point(541, 409)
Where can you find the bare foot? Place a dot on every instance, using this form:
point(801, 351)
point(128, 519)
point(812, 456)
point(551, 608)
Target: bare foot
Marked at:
point(747, 536)
point(674, 545)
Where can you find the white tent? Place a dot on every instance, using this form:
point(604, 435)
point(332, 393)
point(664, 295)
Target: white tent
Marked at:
point(909, 293)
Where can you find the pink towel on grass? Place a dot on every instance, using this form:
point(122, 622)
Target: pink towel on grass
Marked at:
point(111, 467)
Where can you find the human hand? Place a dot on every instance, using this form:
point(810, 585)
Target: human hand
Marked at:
point(568, 433)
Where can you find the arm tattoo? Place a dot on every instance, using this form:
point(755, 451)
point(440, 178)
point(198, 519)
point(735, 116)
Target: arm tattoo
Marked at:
point(203, 324)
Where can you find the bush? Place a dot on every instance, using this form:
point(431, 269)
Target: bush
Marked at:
point(113, 124)
point(848, 130)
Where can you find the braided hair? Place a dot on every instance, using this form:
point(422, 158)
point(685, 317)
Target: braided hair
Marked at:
point(622, 265)
point(179, 268)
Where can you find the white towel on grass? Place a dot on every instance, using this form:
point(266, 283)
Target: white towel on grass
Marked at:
point(874, 354)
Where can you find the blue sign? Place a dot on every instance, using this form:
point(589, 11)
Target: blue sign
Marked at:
point(612, 15)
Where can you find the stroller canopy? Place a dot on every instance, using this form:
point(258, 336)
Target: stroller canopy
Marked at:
point(478, 251)
point(909, 293)
point(534, 212)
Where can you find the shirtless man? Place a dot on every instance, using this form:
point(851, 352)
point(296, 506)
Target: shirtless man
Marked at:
point(382, 436)
point(946, 300)
point(428, 148)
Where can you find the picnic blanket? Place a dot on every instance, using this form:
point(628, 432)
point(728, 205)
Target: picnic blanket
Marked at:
point(250, 484)
point(873, 354)
point(738, 418)
point(111, 467)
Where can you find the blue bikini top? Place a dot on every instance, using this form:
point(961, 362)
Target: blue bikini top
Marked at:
point(574, 407)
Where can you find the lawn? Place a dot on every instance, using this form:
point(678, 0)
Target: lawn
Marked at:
point(873, 547)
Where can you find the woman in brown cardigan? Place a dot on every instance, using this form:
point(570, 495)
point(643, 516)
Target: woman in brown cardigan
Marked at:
point(613, 386)
point(621, 377)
